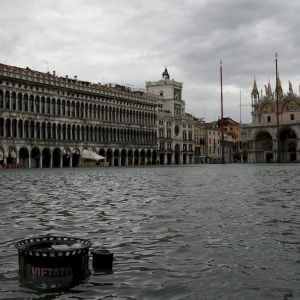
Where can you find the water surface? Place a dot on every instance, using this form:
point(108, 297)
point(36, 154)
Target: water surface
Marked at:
point(188, 232)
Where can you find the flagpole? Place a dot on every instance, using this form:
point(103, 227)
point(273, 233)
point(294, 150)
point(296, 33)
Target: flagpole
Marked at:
point(222, 120)
point(277, 109)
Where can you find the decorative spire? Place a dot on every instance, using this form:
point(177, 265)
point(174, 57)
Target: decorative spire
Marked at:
point(255, 92)
point(165, 74)
point(269, 89)
point(254, 85)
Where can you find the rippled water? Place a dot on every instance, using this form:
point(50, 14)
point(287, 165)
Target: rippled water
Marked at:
point(193, 232)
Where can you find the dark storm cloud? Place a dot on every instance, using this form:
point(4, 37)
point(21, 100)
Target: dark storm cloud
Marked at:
point(132, 41)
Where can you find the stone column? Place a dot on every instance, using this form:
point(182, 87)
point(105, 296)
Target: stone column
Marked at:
point(4, 127)
point(126, 160)
point(71, 160)
point(61, 161)
point(41, 162)
point(173, 158)
point(165, 160)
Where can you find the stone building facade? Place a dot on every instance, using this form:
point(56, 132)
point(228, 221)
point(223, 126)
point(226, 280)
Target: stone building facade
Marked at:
point(274, 134)
point(175, 133)
point(46, 121)
point(199, 141)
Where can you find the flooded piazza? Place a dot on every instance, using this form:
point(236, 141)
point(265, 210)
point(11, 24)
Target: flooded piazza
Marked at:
point(177, 232)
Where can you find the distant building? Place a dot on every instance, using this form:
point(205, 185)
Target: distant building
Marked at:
point(214, 141)
point(232, 132)
point(175, 135)
point(274, 134)
point(47, 121)
point(199, 141)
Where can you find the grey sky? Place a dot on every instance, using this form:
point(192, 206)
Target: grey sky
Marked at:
point(131, 41)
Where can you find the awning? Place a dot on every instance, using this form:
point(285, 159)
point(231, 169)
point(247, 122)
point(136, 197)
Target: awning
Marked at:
point(86, 154)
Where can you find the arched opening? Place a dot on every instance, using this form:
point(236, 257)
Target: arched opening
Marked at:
point(75, 157)
point(46, 158)
point(287, 145)
point(154, 157)
point(130, 158)
point(123, 157)
point(177, 154)
point(102, 152)
point(143, 157)
point(264, 147)
point(116, 157)
point(56, 158)
point(24, 157)
point(136, 157)
point(12, 156)
point(148, 157)
point(109, 157)
point(66, 158)
point(35, 157)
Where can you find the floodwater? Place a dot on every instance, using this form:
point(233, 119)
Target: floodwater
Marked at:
point(185, 232)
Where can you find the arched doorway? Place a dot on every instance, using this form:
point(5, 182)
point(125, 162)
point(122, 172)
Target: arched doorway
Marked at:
point(287, 145)
point(46, 154)
point(56, 158)
point(35, 157)
point(143, 157)
point(264, 147)
point(109, 157)
point(24, 157)
point(177, 154)
point(75, 157)
point(136, 157)
point(12, 156)
point(154, 157)
point(102, 152)
point(123, 157)
point(148, 157)
point(66, 157)
point(130, 158)
point(116, 157)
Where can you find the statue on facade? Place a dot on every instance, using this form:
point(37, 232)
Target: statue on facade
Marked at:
point(266, 90)
point(290, 88)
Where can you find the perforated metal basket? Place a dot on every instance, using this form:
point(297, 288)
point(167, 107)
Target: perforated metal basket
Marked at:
point(53, 261)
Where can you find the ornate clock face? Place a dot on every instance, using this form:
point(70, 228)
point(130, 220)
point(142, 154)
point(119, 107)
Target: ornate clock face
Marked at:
point(176, 130)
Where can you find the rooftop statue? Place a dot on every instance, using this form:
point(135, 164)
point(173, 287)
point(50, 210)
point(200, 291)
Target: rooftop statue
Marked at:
point(290, 88)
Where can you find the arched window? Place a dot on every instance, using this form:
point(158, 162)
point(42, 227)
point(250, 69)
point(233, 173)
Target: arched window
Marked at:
point(13, 101)
point(1, 100)
point(7, 100)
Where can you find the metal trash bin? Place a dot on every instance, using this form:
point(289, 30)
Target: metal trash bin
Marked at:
point(53, 262)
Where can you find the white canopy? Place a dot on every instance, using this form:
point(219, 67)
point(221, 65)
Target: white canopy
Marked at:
point(86, 154)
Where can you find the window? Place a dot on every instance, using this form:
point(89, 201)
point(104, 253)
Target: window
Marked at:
point(292, 117)
point(268, 119)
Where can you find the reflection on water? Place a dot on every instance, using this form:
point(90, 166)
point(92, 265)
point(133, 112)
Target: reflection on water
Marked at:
point(193, 232)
